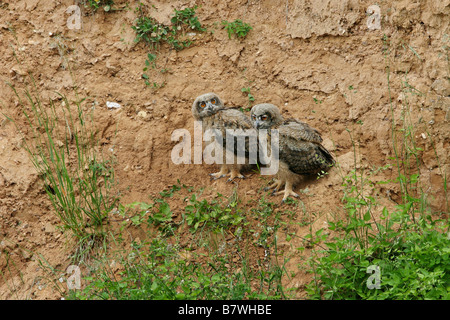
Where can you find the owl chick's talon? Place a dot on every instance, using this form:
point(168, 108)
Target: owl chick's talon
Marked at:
point(215, 176)
point(218, 175)
point(235, 174)
point(288, 193)
point(275, 185)
point(277, 193)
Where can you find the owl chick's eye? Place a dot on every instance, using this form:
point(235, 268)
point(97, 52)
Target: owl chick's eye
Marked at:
point(202, 104)
point(253, 117)
point(213, 101)
point(264, 117)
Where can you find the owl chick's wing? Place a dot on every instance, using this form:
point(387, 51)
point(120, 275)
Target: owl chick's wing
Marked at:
point(233, 118)
point(240, 128)
point(301, 150)
point(302, 131)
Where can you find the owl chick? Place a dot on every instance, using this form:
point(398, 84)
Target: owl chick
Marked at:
point(210, 109)
point(300, 149)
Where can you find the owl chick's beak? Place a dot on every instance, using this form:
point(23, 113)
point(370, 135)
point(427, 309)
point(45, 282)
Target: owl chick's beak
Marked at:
point(209, 106)
point(257, 124)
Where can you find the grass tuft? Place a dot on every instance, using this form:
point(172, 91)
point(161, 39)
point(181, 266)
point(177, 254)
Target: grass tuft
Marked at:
point(76, 178)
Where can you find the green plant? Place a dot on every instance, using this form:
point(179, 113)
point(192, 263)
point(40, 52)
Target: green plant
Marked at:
point(10, 269)
point(150, 61)
point(238, 28)
point(268, 222)
point(163, 267)
point(187, 18)
point(157, 213)
point(317, 101)
point(413, 261)
point(214, 215)
point(250, 97)
point(155, 34)
point(63, 149)
point(151, 32)
point(403, 249)
point(155, 270)
point(408, 245)
point(95, 4)
point(138, 217)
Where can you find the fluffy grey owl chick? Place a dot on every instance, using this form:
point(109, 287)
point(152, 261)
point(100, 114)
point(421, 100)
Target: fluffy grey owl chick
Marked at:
point(210, 109)
point(300, 148)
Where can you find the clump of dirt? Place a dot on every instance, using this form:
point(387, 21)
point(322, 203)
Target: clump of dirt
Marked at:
point(324, 62)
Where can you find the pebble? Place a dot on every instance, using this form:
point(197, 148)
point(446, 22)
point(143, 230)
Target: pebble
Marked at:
point(112, 105)
point(142, 114)
point(7, 245)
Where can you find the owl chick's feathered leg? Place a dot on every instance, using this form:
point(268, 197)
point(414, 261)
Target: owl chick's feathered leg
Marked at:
point(276, 185)
point(222, 173)
point(228, 170)
point(236, 173)
point(288, 191)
